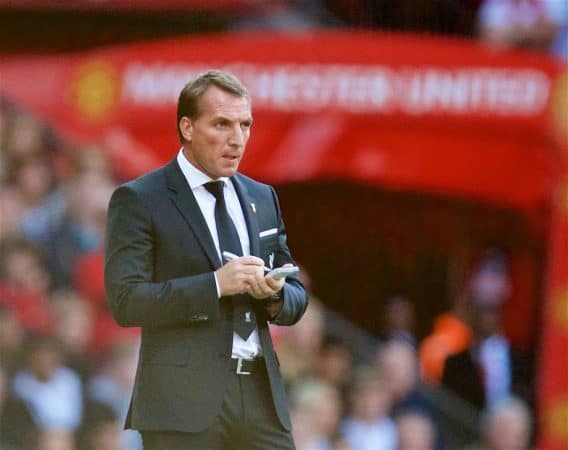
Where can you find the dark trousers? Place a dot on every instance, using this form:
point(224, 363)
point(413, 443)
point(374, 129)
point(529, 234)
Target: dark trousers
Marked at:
point(247, 421)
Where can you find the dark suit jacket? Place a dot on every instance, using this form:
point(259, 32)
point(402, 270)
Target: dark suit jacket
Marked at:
point(160, 259)
point(462, 376)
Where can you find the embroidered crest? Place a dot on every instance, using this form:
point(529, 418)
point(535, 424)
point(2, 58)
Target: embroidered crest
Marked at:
point(271, 260)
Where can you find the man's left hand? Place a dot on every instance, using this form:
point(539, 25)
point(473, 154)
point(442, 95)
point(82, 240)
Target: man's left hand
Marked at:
point(265, 287)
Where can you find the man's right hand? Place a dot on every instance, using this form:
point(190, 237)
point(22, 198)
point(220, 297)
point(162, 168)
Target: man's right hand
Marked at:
point(234, 275)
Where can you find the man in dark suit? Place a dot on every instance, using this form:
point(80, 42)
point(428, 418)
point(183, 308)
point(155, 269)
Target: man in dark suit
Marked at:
point(208, 375)
point(490, 369)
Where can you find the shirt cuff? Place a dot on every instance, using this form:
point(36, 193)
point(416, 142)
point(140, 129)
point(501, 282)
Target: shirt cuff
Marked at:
point(217, 285)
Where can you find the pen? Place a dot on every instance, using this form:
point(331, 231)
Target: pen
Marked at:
point(230, 256)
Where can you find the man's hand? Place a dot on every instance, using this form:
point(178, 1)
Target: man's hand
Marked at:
point(265, 286)
point(236, 276)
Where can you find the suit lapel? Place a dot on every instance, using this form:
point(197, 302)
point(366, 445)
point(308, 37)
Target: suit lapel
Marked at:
point(185, 202)
point(249, 211)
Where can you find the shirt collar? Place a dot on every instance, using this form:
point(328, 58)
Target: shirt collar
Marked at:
point(192, 174)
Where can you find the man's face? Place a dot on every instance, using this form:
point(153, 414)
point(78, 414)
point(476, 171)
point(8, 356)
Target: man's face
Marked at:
point(216, 140)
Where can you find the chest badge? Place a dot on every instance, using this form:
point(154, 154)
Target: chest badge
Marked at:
point(271, 260)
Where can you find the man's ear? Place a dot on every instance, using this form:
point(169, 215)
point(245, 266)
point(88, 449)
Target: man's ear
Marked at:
point(186, 128)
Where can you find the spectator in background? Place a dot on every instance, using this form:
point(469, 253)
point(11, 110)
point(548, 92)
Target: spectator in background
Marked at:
point(101, 431)
point(81, 228)
point(90, 158)
point(368, 425)
point(334, 363)
point(452, 334)
point(24, 284)
point(24, 138)
point(520, 23)
point(559, 13)
point(340, 443)
point(17, 429)
point(3, 391)
point(88, 281)
point(397, 366)
point(33, 179)
point(300, 345)
point(53, 439)
point(488, 370)
point(72, 329)
point(506, 426)
point(38, 224)
point(111, 387)
point(316, 409)
point(28, 175)
point(399, 320)
point(416, 431)
point(11, 338)
point(51, 393)
point(12, 209)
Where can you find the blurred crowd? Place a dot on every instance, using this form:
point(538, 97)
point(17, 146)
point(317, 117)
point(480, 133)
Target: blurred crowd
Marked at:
point(462, 387)
point(66, 369)
point(540, 25)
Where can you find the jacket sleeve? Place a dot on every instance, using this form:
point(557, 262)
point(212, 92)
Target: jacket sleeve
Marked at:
point(133, 297)
point(295, 298)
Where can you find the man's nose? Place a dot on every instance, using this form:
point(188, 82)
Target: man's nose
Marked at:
point(237, 137)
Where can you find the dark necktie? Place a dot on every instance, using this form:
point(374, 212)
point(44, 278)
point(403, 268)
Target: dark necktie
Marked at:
point(243, 316)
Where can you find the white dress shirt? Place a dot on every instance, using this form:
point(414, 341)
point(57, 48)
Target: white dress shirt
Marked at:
point(206, 201)
point(494, 356)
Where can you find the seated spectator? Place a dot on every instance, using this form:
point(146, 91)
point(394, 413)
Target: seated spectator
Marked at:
point(81, 227)
point(397, 366)
point(367, 425)
point(100, 429)
point(12, 210)
point(451, 335)
point(29, 184)
point(39, 224)
point(300, 345)
point(88, 281)
point(73, 329)
point(506, 426)
point(488, 370)
point(340, 443)
point(17, 428)
point(90, 158)
point(416, 431)
point(316, 409)
point(24, 138)
point(399, 320)
point(3, 392)
point(34, 179)
point(11, 338)
point(112, 387)
point(519, 23)
point(52, 439)
point(51, 393)
point(24, 284)
point(334, 363)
